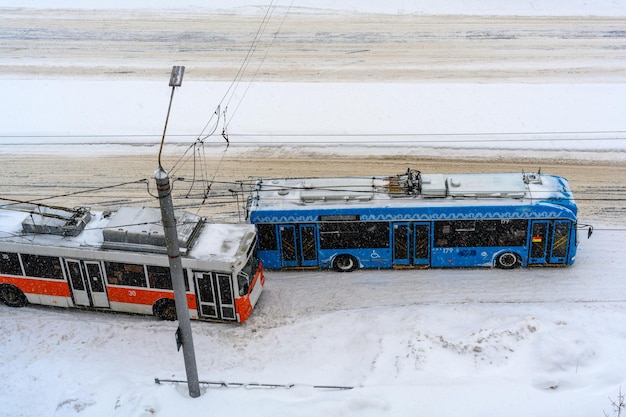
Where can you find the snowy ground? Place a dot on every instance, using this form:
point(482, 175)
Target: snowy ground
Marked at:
point(482, 7)
point(464, 342)
point(529, 342)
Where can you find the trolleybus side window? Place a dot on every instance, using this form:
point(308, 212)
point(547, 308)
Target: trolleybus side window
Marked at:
point(10, 264)
point(267, 237)
point(355, 235)
point(125, 274)
point(460, 233)
point(511, 232)
point(42, 266)
point(159, 277)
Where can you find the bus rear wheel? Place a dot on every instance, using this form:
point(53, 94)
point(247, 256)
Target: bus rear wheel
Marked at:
point(508, 260)
point(345, 263)
point(12, 296)
point(165, 309)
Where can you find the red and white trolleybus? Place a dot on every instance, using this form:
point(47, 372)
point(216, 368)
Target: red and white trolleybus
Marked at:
point(117, 261)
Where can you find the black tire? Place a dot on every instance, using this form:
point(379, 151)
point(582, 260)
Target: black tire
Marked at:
point(12, 296)
point(345, 263)
point(508, 260)
point(165, 309)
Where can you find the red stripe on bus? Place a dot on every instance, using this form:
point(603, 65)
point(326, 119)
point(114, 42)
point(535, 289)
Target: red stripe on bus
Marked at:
point(56, 288)
point(144, 296)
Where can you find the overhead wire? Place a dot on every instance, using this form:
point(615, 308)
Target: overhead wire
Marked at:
point(203, 135)
point(579, 195)
point(280, 26)
point(225, 198)
point(429, 136)
point(89, 190)
point(240, 72)
point(236, 82)
point(198, 145)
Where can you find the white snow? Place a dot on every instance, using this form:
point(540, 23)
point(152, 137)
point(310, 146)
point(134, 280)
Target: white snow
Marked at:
point(583, 121)
point(427, 7)
point(530, 342)
point(464, 342)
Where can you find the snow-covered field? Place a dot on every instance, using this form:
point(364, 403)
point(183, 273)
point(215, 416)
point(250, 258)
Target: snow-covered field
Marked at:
point(574, 121)
point(531, 342)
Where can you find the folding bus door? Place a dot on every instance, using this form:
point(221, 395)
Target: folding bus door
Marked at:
point(96, 284)
point(411, 243)
point(87, 282)
point(560, 241)
point(538, 241)
point(288, 253)
point(77, 282)
point(421, 244)
point(401, 248)
point(215, 296)
point(308, 245)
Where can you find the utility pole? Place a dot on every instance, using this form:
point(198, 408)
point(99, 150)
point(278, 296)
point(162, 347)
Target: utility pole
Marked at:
point(183, 334)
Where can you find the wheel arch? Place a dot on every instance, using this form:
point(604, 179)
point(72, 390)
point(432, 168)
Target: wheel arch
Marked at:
point(352, 262)
point(519, 259)
point(12, 295)
point(163, 307)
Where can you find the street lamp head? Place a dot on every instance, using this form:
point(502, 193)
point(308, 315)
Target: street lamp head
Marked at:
point(176, 79)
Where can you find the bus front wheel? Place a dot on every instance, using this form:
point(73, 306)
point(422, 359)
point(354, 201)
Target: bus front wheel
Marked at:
point(345, 263)
point(165, 309)
point(508, 260)
point(12, 296)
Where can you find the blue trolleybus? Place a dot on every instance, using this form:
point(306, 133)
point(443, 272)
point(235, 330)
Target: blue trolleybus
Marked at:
point(414, 220)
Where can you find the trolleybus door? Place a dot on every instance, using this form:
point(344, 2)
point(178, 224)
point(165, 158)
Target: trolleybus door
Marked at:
point(288, 254)
point(538, 241)
point(87, 283)
point(421, 244)
point(308, 245)
point(401, 249)
point(215, 296)
point(560, 241)
point(77, 281)
point(96, 284)
point(411, 248)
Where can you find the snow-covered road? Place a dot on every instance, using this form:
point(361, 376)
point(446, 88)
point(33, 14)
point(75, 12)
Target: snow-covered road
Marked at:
point(309, 45)
point(533, 341)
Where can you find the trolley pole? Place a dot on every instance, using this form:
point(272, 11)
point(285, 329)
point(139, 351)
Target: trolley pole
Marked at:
point(183, 334)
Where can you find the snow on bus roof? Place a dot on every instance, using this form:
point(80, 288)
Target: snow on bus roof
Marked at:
point(218, 242)
point(469, 189)
point(12, 229)
point(223, 241)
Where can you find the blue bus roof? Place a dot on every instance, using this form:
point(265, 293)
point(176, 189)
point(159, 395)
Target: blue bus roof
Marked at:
point(415, 196)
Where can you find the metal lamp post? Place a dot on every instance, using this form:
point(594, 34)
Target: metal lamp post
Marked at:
point(183, 334)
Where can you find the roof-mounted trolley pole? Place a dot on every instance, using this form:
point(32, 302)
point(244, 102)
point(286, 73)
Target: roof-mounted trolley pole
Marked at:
point(183, 334)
